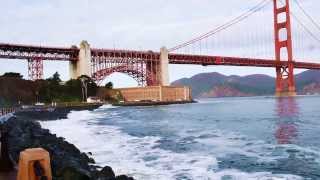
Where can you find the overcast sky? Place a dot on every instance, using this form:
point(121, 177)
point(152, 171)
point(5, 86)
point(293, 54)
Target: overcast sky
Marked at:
point(144, 25)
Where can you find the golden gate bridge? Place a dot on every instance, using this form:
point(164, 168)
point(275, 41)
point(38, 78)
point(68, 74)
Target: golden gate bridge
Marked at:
point(150, 68)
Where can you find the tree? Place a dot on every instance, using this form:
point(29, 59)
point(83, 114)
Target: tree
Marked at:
point(88, 86)
point(12, 75)
point(55, 78)
point(52, 88)
point(84, 86)
point(109, 85)
point(72, 90)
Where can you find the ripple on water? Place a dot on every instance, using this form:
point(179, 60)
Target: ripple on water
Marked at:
point(161, 151)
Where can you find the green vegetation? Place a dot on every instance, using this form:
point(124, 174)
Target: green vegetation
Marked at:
point(12, 75)
point(14, 89)
point(54, 90)
point(109, 85)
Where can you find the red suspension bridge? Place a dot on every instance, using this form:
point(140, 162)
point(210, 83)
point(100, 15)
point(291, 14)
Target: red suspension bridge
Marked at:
point(151, 68)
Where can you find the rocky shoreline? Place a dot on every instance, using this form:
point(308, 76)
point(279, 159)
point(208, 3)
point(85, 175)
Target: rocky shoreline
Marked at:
point(57, 113)
point(67, 161)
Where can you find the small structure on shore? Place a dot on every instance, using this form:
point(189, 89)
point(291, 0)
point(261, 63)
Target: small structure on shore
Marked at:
point(153, 95)
point(93, 99)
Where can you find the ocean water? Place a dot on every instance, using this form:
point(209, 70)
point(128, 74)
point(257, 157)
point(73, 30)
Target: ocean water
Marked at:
point(261, 138)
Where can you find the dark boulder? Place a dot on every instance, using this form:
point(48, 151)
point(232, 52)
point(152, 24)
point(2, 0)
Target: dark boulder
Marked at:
point(106, 174)
point(67, 161)
point(123, 177)
point(23, 134)
point(6, 164)
point(71, 173)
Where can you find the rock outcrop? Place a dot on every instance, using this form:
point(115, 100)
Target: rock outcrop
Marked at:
point(67, 162)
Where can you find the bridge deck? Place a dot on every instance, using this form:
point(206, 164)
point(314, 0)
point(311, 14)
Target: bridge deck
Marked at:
point(236, 61)
point(14, 51)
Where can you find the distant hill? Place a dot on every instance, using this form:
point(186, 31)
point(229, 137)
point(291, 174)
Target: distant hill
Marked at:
point(218, 85)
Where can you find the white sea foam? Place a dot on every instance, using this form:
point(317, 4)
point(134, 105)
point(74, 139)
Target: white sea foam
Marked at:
point(140, 157)
point(107, 106)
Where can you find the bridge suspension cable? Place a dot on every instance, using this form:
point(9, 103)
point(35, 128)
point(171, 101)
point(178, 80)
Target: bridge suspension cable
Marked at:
point(305, 27)
point(228, 24)
point(315, 37)
point(307, 15)
point(306, 41)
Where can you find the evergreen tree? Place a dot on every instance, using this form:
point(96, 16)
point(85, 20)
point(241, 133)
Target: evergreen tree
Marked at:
point(12, 75)
point(109, 85)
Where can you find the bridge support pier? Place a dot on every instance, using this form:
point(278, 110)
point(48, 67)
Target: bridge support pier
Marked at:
point(83, 65)
point(159, 69)
point(285, 83)
point(164, 66)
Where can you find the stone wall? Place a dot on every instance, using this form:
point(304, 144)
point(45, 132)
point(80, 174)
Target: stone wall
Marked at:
point(156, 93)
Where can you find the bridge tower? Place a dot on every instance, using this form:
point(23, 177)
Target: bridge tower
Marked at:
point(83, 65)
point(285, 83)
